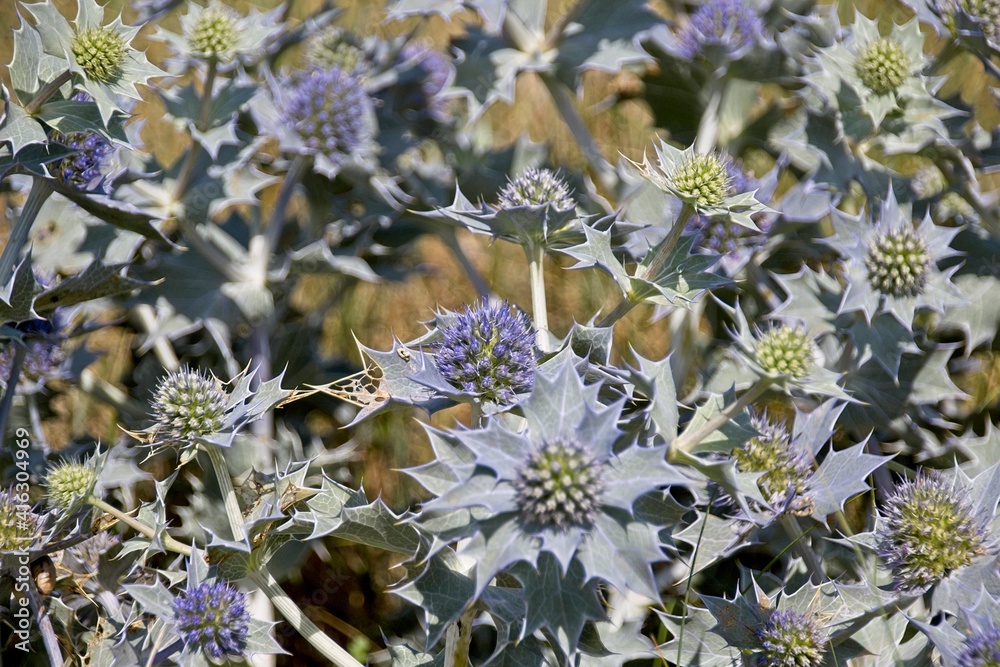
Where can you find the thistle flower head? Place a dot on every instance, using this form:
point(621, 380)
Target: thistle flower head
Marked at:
point(928, 182)
point(425, 73)
point(898, 263)
point(954, 205)
point(332, 48)
point(488, 350)
point(17, 528)
point(728, 23)
point(786, 350)
point(189, 404)
point(982, 648)
point(214, 35)
point(69, 483)
point(87, 554)
point(213, 617)
point(537, 187)
point(100, 52)
point(791, 639)
point(986, 12)
point(89, 168)
point(702, 179)
point(786, 468)
point(718, 234)
point(559, 485)
point(329, 110)
point(882, 66)
point(929, 531)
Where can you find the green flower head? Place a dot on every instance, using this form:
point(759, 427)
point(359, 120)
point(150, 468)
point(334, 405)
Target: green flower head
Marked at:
point(100, 53)
point(786, 350)
point(883, 66)
point(189, 404)
point(929, 530)
point(785, 465)
point(69, 483)
point(891, 264)
point(898, 263)
point(18, 525)
point(335, 48)
point(214, 34)
point(703, 182)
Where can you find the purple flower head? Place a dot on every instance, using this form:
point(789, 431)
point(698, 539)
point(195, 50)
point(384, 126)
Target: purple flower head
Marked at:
point(982, 648)
point(329, 110)
point(429, 73)
point(213, 617)
point(45, 356)
point(89, 168)
point(720, 23)
point(791, 639)
point(488, 350)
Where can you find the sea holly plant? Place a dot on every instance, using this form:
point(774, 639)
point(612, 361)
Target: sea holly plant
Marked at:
point(276, 385)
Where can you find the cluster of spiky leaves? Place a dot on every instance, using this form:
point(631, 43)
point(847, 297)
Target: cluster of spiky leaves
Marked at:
point(815, 232)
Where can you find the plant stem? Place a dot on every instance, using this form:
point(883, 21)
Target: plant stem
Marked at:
point(602, 169)
point(49, 638)
point(539, 309)
point(691, 438)
point(451, 239)
point(169, 543)
point(458, 637)
point(330, 649)
point(20, 352)
point(204, 107)
point(47, 91)
point(41, 188)
point(708, 126)
point(661, 254)
point(300, 166)
point(225, 482)
point(808, 556)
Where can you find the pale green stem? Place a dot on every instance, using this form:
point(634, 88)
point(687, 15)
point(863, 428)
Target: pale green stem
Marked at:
point(656, 264)
point(204, 107)
point(229, 500)
point(47, 91)
point(601, 168)
point(458, 637)
point(687, 587)
point(49, 638)
point(169, 543)
point(691, 438)
point(708, 126)
point(808, 556)
point(451, 239)
point(298, 620)
point(41, 188)
point(20, 352)
point(475, 414)
point(539, 308)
